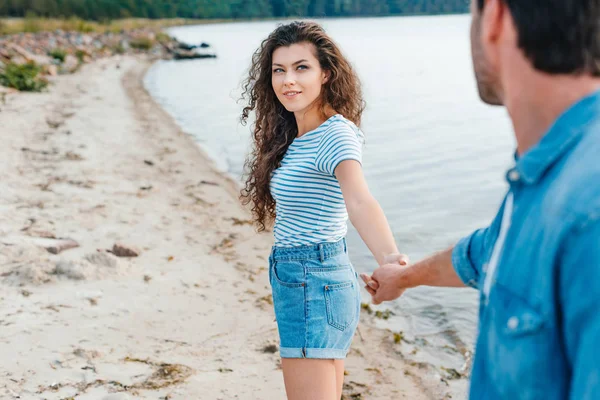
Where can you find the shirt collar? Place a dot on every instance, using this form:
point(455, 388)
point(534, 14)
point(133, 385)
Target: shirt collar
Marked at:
point(566, 132)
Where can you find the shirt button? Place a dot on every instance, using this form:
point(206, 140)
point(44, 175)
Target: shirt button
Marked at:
point(514, 175)
point(513, 323)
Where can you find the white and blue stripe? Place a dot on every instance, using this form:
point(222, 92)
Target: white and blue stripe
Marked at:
point(309, 205)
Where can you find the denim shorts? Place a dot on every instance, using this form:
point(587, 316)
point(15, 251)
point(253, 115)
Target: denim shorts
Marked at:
point(316, 297)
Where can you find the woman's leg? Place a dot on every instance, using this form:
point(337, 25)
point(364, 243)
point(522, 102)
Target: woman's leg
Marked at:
point(313, 379)
point(339, 378)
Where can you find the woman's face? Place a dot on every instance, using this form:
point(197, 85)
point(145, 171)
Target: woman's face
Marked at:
point(297, 76)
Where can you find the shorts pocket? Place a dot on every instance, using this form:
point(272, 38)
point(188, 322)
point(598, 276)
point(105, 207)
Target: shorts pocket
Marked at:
point(292, 275)
point(289, 302)
point(271, 263)
point(340, 301)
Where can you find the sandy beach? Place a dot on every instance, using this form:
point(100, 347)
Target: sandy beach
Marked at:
point(96, 162)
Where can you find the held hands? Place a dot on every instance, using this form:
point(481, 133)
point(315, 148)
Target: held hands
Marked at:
point(386, 283)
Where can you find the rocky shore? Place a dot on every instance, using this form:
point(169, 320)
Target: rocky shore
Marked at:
point(62, 52)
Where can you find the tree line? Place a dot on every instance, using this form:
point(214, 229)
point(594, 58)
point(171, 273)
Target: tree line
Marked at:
point(101, 10)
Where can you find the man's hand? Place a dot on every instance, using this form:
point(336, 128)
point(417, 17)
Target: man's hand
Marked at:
point(392, 260)
point(391, 280)
point(387, 282)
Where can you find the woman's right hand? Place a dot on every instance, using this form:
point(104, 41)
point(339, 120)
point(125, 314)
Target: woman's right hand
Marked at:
point(371, 285)
point(396, 258)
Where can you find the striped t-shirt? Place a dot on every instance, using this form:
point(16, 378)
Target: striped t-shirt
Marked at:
point(309, 205)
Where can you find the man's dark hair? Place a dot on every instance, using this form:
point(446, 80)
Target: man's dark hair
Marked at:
point(558, 36)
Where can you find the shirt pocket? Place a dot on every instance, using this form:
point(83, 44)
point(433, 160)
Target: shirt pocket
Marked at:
point(518, 345)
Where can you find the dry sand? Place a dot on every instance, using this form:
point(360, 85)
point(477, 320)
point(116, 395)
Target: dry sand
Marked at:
point(95, 160)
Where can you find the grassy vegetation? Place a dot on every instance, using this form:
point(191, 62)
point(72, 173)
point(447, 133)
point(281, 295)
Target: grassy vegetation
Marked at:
point(162, 37)
point(142, 43)
point(58, 54)
point(24, 77)
point(80, 54)
point(34, 24)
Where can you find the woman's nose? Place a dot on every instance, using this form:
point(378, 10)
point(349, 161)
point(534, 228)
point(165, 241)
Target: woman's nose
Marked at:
point(289, 79)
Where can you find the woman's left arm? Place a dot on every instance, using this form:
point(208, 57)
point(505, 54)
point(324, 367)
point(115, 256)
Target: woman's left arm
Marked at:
point(365, 213)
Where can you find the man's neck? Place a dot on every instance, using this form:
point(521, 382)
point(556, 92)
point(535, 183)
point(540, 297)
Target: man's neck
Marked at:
point(537, 100)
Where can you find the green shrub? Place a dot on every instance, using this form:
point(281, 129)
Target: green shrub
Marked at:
point(142, 43)
point(23, 77)
point(80, 54)
point(58, 54)
point(116, 48)
point(162, 37)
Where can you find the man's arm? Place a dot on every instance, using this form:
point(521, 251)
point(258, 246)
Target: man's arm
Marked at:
point(455, 267)
point(579, 279)
point(391, 280)
point(436, 270)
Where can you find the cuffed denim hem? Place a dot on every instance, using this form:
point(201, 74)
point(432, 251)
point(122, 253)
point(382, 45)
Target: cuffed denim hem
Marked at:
point(462, 263)
point(325, 354)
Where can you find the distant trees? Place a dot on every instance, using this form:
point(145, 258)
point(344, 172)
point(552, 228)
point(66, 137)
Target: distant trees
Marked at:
point(112, 9)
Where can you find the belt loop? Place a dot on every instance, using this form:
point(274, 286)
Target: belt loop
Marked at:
point(345, 245)
point(321, 252)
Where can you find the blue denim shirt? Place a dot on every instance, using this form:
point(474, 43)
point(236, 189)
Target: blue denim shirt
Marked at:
point(539, 328)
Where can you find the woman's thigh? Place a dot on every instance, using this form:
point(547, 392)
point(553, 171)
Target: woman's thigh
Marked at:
point(313, 379)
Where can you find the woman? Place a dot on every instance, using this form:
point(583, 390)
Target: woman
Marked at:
point(305, 174)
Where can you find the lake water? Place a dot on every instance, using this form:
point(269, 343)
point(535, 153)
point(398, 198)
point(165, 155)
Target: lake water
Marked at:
point(435, 155)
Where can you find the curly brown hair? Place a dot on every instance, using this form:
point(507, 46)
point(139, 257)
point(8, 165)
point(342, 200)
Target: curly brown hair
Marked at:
point(275, 127)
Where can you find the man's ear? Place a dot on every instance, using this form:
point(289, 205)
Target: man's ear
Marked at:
point(492, 21)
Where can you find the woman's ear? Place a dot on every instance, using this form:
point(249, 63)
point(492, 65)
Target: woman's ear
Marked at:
point(326, 77)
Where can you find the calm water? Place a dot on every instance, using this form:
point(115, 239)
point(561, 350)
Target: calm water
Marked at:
point(435, 155)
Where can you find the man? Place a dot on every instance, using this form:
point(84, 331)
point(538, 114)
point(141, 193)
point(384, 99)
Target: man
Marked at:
point(537, 266)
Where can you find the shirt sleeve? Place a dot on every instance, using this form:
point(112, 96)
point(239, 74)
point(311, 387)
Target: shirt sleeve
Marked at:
point(472, 252)
point(339, 143)
point(580, 302)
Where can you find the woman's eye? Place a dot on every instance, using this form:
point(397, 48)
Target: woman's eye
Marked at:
point(277, 70)
point(302, 67)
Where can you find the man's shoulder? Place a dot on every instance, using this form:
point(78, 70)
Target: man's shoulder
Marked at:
point(574, 186)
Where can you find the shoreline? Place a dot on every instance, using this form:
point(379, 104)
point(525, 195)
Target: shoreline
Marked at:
point(232, 185)
point(97, 160)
